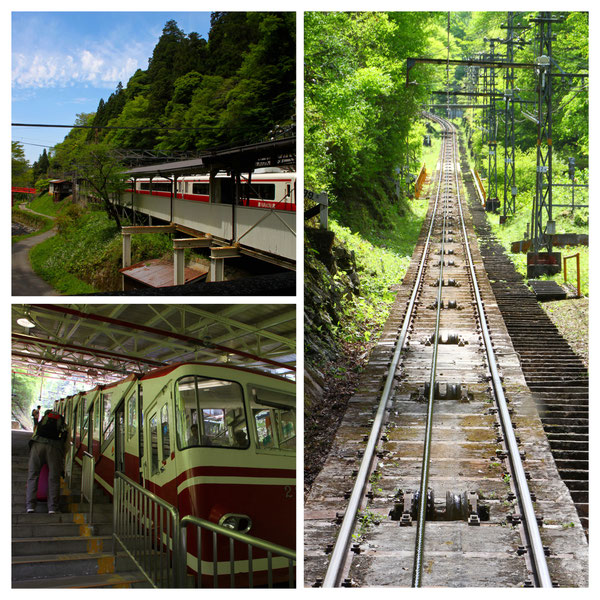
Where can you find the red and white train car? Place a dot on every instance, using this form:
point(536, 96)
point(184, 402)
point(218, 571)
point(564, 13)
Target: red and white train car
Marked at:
point(264, 189)
point(262, 220)
point(215, 441)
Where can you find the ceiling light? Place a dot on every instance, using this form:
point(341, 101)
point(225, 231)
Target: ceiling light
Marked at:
point(25, 323)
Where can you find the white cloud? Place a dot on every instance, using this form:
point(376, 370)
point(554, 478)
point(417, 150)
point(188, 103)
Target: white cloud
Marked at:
point(99, 67)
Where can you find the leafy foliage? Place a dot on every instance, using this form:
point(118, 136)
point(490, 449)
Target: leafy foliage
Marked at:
point(20, 173)
point(359, 114)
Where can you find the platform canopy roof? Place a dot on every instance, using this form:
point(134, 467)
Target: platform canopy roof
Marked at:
point(101, 343)
point(242, 159)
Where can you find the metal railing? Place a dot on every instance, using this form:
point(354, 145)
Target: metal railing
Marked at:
point(88, 469)
point(147, 529)
point(576, 256)
point(226, 566)
point(420, 181)
point(156, 539)
point(479, 187)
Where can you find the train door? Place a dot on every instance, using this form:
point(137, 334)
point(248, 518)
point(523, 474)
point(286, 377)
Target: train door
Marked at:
point(83, 430)
point(84, 424)
point(131, 434)
point(71, 425)
point(159, 454)
point(74, 428)
point(94, 427)
point(120, 438)
point(226, 190)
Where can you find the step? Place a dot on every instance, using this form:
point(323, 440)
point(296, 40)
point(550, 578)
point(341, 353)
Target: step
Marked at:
point(74, 516)
point(28, 529)
point(62, 544)
point(36, 566)
point(65, 506)
point(109, 580)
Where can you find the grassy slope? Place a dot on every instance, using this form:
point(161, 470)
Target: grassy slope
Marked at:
point(45, 204)
point(85, 255)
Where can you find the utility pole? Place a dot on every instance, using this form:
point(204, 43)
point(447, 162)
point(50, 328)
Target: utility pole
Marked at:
point(509, 205)
point(543, 262)
point(484, 89)
point(492, 203)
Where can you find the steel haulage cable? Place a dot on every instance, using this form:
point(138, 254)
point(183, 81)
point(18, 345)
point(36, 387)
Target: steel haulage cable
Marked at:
point(422, 510)
point(339, 553)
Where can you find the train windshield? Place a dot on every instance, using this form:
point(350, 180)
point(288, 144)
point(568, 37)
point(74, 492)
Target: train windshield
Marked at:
point(210, 412)
point(274, 415)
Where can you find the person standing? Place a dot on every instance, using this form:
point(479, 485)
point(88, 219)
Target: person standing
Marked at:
point(35, 413)
point(47, 446)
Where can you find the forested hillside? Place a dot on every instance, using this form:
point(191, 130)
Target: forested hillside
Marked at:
point(236, 87)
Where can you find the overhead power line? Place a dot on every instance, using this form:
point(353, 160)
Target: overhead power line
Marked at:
point(161, 128)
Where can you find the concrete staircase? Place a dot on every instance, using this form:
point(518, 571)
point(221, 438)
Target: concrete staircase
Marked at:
point(63, 550)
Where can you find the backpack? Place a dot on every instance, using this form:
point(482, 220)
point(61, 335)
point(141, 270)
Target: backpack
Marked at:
point(51, 426)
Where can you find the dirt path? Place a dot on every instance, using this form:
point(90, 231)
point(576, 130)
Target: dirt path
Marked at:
point(25, 282)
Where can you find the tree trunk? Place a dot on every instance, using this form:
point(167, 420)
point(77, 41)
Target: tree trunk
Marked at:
point(112, 211)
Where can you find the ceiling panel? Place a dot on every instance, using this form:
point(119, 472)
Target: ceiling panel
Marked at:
point(100, 343)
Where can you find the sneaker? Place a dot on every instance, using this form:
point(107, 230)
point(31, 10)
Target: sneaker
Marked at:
point(31, 510)
point(51, 512)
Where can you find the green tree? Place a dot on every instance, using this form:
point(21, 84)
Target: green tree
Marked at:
point(25, 396)
point(136, 128)
point(230, 36)
point(20, 170)
point(41, 166)
point(264, 95)
point(358, 111)
point(105, 176)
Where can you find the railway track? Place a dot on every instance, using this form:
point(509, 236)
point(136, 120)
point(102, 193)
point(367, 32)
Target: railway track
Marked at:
point(441, 474)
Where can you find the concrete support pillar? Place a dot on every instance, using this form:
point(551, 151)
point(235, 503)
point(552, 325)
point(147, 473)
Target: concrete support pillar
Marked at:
point(126, 250)
point(217, 269)
point(179, 266)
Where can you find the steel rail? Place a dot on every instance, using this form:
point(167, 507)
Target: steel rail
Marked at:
point(538, 556)
point(340, 549)
point(422, 511)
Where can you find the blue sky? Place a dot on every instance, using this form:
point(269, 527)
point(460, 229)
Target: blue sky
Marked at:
point(64, 62)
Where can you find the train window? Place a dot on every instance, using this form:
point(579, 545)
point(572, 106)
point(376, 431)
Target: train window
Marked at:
point(154, 444)
point(164, 421)
point(210, 412)
point(141, 426)
point(264, 429)
point(132, 420)
point(274, 419)
point(75, 424)
point(96, 421)
point(286, 424)
point(84, 422)
point(200, 188)
point(108, 423)
point(157, 186)
point(260, 191)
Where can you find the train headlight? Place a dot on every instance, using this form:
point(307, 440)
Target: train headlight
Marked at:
point(241, 523)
